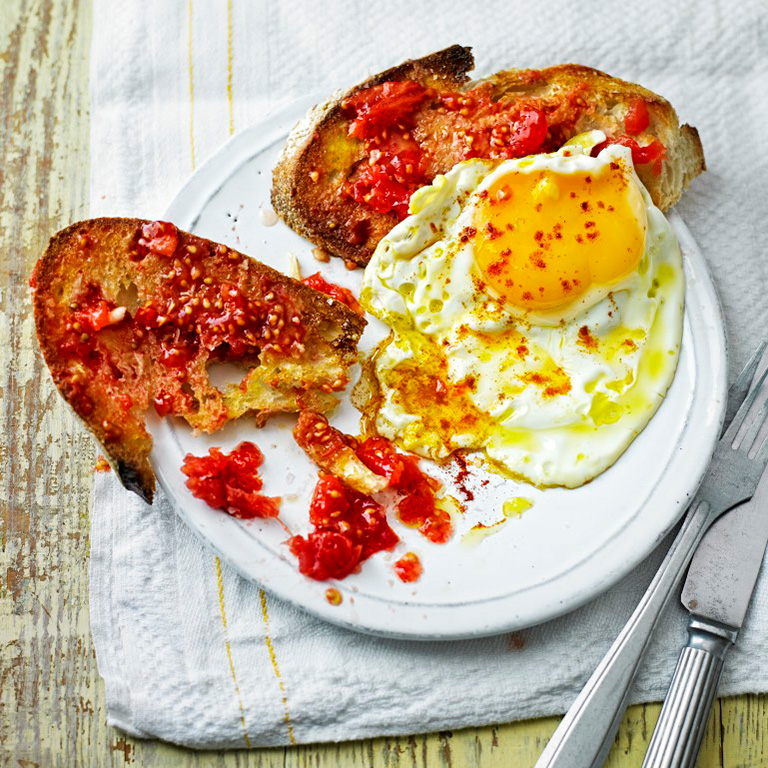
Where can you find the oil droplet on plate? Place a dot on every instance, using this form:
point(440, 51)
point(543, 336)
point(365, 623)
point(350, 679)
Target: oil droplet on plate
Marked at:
point(480, 532)
point(515, 506)
point(333, 596)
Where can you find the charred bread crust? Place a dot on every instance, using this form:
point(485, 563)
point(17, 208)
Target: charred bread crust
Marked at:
point(607, 99)
point(449, 67)
point(60, 264)
point(132, 477)
point(130, 465)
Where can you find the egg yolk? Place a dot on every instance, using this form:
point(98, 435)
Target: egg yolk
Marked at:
point(543, 238)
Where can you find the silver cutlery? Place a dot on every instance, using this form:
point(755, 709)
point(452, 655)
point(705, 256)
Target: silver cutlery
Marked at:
point(717, 592)
point(585, 734)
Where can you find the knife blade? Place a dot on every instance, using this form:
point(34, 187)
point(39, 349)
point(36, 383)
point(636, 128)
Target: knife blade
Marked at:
point(724, 569)
point(723, 572)
point(717, 591)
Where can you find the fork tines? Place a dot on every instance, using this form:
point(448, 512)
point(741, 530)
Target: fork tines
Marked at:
point(749, 422)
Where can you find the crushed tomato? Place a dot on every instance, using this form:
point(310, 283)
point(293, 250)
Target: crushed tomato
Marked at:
point(394, 171)
point(418, 507)
point(651, 153)
point(196, 308)
point(408, 568)
point(325, 555)
point(349, 527)
point(159, 237)
point(386, 118)
point(378, 191)
point(80, 341)
point(231, 481)
point(637, 119)
point(396, 163)
point(526, 135)
point(96, 315)
point(344, 295)
point(358, 518)
point(381, 106)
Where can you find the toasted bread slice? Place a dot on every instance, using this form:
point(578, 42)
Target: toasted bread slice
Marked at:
point(313, 179)
point(131, 313)
point(334, 452)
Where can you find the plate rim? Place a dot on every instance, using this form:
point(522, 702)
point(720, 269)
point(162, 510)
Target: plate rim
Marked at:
point(185, 210)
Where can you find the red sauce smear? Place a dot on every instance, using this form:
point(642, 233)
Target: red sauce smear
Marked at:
point(395, 164)
point(382, 117)
point(344, 295)
point(231, 481)
point(408, 568)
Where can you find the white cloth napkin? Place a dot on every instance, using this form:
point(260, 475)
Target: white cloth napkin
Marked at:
point(190, 652)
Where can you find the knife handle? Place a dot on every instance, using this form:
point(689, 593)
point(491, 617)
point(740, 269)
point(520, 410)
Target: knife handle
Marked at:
point(680, 729)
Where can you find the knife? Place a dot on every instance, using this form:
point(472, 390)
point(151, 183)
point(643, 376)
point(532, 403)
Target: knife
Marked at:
point(716, 592)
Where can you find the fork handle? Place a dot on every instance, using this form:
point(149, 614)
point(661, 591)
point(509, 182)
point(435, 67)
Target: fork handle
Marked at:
point(680, 728)
point(585, 735)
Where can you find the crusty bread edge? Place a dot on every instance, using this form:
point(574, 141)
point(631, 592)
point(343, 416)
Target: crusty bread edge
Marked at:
point(686, 164)
point(134, 472)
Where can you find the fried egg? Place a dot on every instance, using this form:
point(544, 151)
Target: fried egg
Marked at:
point(535, 310)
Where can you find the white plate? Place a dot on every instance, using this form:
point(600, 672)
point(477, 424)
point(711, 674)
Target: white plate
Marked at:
point(569, 547)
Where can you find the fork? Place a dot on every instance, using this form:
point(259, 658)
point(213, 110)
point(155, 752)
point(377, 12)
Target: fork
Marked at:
point(585, 734)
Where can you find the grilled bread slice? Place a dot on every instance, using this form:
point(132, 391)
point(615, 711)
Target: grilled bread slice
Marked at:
point(327, 185)
point(132, 313)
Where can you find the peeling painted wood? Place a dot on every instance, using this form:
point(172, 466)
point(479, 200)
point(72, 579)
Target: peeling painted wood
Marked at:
point(52, 708)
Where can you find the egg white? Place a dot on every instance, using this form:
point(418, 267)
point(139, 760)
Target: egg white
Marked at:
point(420, 283)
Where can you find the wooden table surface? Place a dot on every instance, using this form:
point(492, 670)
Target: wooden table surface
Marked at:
point(52, 706)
